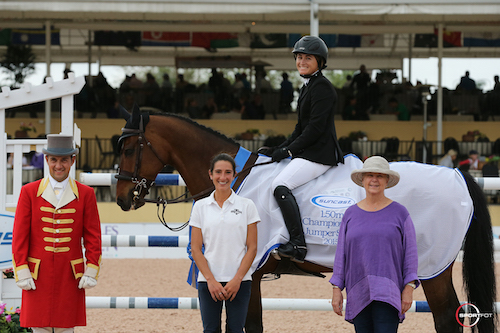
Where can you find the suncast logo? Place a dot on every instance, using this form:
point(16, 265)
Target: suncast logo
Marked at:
point(332, 201)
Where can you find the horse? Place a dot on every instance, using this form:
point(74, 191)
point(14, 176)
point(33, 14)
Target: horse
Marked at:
point(151, 141)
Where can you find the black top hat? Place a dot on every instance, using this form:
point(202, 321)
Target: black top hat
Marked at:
point(60, 145)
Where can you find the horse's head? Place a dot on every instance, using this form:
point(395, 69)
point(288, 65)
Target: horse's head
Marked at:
point(139, 162)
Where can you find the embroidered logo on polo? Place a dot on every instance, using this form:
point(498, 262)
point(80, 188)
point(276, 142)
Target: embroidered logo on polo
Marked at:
point(236, 211)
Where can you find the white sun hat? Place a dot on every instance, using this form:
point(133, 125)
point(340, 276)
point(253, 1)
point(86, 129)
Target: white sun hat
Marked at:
point(375, 164)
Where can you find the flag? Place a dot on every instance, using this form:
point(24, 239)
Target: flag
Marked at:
point(425, 40)
point(488, 39)
point(348, 40)
point(268, 41)
point(450, 39)
point(372, 40)
point(129, 39)
point(159, 38)
point(213, 40)
point(34, 37)
point(5, 36)
point(329, 39)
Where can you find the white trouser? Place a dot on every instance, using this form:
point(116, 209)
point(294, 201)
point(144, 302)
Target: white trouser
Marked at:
point(298, 172)
point(52, 330)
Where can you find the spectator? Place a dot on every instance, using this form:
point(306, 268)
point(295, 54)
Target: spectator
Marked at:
point(256, 110)
point(104, 93)
point(209, 108)
point(286, 94)
point(193, 109)
point(496, 87)
point(448, 160)
point(151, 89)
point(216, 85)
point(472, 163)
point(37, 160)
point(246, 85)
point(349, 112)
point(166, 92)
point(398, 109)
point(180, 87)
point(359, 85)
point(466, 83)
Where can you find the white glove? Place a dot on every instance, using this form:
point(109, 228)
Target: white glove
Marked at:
point(26, 284)
point(87, 282)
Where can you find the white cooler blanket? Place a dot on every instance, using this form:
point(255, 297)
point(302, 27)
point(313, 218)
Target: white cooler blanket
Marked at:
point(436, 197)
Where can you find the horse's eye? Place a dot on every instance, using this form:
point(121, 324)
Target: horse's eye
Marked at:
point(129, 152)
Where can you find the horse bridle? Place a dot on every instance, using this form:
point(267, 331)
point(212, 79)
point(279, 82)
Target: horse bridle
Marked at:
point(141, 183)
point(144, 184)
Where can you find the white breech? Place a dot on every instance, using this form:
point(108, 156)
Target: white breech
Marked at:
point(298, 172)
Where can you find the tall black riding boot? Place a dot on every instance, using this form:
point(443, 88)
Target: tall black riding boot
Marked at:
point(296, 248)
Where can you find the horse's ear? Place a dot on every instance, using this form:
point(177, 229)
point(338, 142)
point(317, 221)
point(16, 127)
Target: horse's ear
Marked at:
point(124, 113)
point(136, 114)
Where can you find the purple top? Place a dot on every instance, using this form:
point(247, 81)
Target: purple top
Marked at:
point(376, 257)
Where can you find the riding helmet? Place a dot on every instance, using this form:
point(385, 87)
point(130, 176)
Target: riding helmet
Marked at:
point(312, 45)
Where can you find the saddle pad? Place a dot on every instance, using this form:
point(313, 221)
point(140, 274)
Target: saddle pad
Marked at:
point(436, 197)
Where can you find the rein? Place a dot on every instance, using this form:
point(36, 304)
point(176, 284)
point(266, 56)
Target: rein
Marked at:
point(164, 203)
point(144, 184)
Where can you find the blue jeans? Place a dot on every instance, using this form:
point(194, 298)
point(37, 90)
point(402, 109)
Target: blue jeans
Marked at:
point(236, 310)
point(377, 317)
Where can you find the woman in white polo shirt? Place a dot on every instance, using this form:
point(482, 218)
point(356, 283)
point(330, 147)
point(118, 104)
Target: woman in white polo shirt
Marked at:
point(226, 224)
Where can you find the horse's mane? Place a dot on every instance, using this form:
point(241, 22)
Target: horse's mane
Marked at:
point(200, 126)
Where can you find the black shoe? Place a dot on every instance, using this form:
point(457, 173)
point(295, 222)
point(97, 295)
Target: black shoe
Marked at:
point(294, 252)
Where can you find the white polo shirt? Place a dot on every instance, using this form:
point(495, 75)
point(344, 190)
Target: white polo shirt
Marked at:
point(224, 233)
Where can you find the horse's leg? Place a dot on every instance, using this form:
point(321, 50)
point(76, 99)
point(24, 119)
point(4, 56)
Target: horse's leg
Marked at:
point(443, 301)
point(253, 323)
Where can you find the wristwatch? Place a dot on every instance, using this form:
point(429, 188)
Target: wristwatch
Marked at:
point(413, 285)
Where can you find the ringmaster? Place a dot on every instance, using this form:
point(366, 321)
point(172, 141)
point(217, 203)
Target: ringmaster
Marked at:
point(54, 217)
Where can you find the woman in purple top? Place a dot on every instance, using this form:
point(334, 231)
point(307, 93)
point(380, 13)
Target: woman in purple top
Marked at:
point(376, 259)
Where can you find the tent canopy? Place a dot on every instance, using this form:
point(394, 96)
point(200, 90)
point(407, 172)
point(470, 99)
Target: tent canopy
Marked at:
point(394, 24)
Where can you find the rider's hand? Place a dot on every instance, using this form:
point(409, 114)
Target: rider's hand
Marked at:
point(280, 154)
point(268, 151)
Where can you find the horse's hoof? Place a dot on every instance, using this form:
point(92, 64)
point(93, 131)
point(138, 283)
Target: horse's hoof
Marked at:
point(275, 254)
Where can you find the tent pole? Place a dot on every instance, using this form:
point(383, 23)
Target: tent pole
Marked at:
point(48, 103)
point(410, 55)
point(90, 58)
point(314, 19)
point(440, 90)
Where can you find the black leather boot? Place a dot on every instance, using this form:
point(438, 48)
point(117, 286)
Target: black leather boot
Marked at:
point(296, 247)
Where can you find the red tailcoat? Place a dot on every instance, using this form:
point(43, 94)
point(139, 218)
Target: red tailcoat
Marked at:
point(47, 238)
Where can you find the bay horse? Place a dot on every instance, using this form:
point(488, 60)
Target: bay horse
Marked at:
point(151, 141)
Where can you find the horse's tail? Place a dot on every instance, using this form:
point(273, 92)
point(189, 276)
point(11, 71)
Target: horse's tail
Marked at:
point(478, 266)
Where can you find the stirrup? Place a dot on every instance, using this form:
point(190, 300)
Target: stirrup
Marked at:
point(275, 254)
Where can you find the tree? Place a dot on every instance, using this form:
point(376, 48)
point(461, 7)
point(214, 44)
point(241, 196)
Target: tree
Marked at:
point(18, 62)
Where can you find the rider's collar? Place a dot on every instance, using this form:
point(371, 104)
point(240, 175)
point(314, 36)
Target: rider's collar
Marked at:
point(306, 78)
